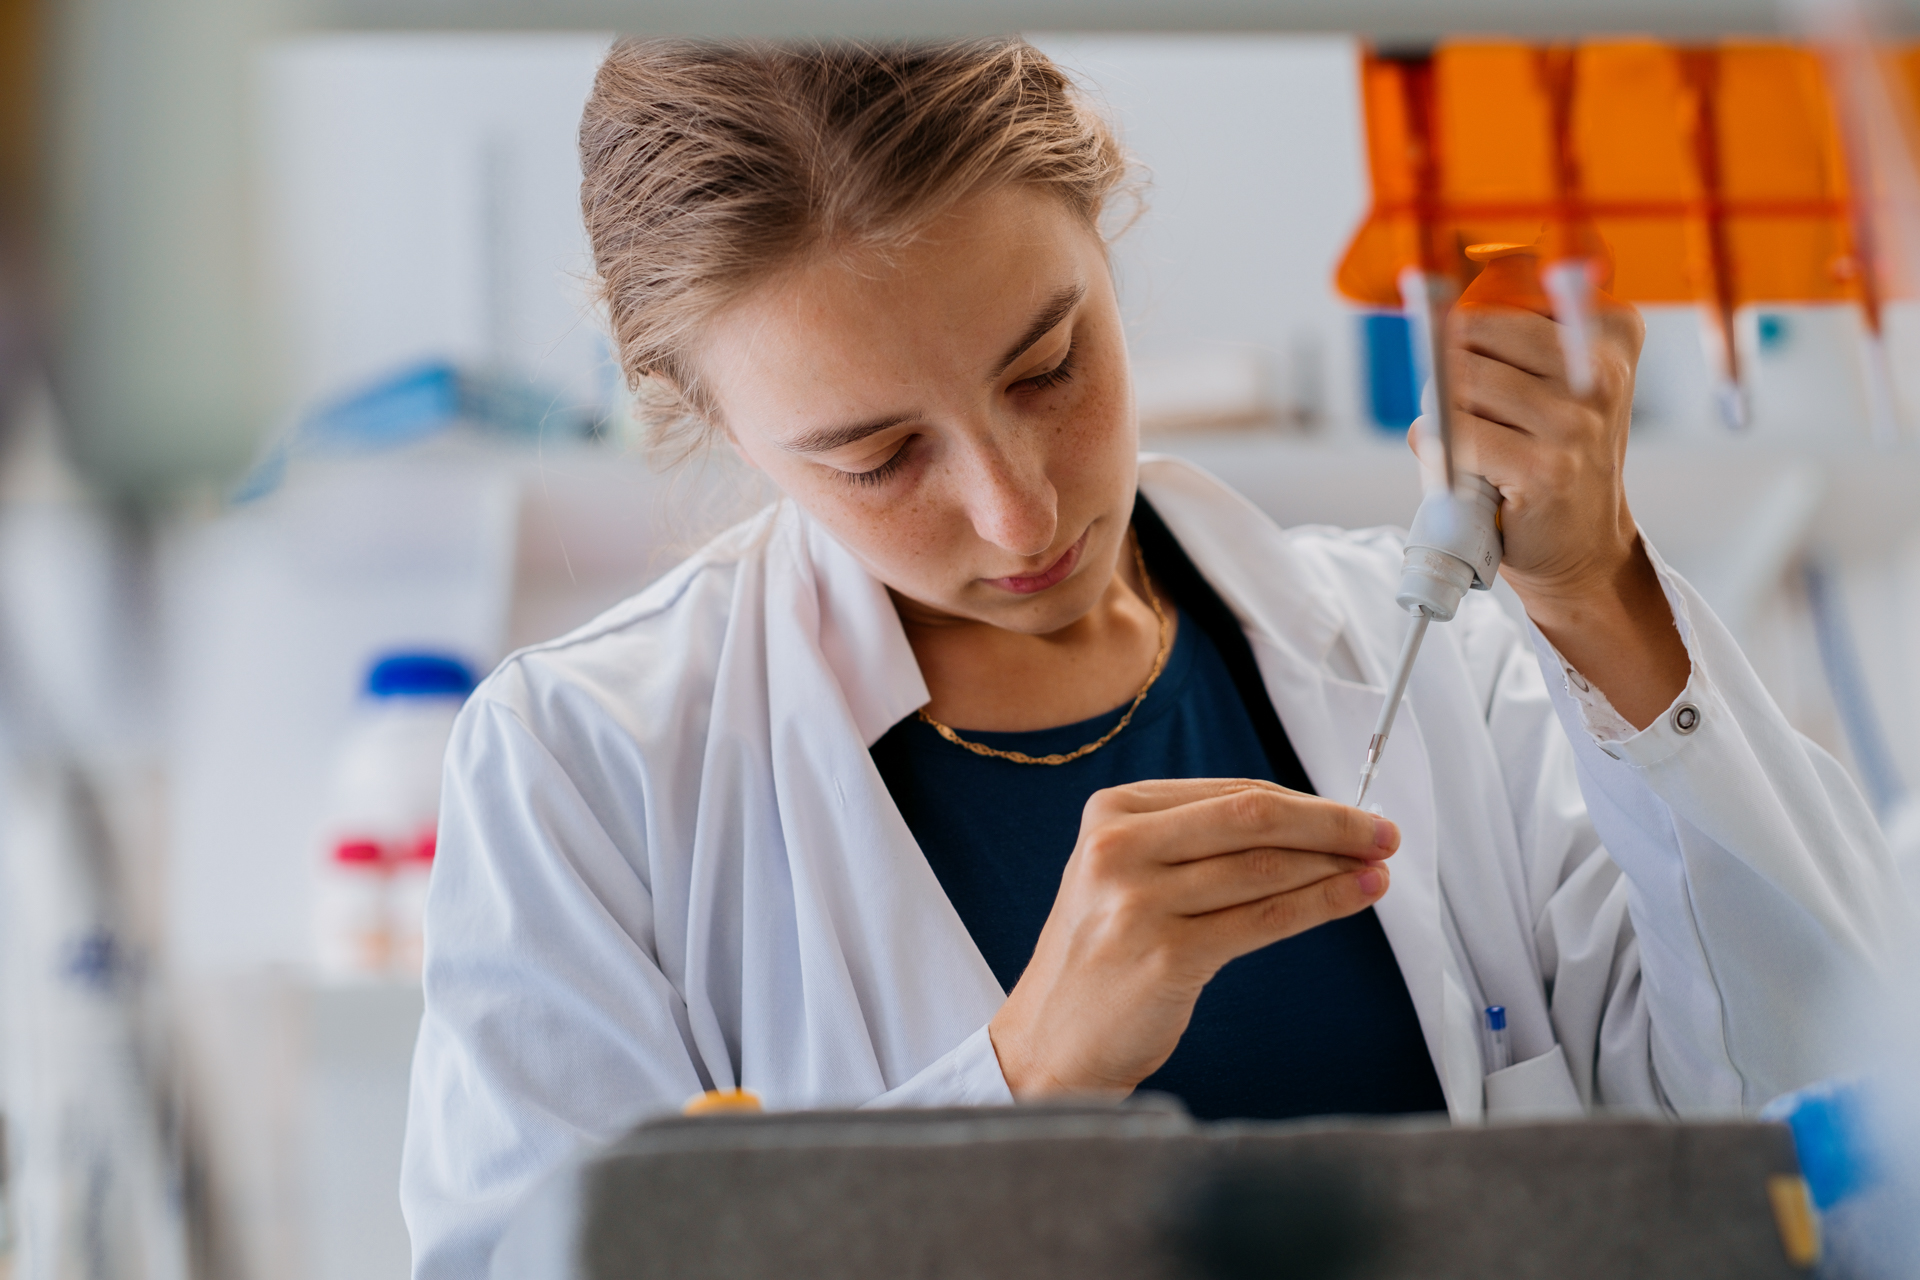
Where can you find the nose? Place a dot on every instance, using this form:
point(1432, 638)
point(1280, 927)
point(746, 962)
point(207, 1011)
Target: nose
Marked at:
point(1011, 502)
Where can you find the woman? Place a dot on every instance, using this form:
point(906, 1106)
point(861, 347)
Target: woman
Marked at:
point(984, 765)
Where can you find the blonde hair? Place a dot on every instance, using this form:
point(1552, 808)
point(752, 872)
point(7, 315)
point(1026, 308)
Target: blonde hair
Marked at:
point(708, 166)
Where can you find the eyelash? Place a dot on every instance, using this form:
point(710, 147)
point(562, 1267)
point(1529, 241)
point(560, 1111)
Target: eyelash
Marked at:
point(1062, 372)
point(884, 472)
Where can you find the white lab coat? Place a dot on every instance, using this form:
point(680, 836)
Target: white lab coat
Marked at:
point(667, 862)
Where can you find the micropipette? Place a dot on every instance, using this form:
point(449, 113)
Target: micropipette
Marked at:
point(1454, 543)
point(1453, 547)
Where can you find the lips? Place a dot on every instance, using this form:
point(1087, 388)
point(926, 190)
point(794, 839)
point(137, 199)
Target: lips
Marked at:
point(1027, 584)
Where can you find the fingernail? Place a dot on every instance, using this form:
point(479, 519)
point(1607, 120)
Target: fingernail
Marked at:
point(1373, 881)
point(1385, 835)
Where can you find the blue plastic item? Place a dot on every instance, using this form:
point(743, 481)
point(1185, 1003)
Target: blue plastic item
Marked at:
point(414, 404)
point(420, 675)
point(1774, 331)
point(1832, 1136)
point(1393, 401)
point(409, 406)
point(1499, 1050)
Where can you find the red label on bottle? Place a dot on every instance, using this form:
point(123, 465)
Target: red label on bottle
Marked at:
point(357, 852)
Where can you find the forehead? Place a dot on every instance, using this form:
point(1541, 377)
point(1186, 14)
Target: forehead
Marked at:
point(845, 331)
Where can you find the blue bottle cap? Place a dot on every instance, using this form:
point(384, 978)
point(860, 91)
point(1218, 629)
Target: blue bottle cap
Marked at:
point(420, 675)
point(1496, 1017)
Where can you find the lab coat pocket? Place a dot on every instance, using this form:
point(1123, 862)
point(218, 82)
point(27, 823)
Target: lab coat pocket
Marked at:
point(1537, 1089)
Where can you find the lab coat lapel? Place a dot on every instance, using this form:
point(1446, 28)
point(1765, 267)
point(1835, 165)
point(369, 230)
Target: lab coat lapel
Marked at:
point(1329, 722)
point(880, 947)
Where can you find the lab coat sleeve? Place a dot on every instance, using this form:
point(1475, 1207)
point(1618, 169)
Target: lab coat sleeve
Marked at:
point(549, 1023)
point(968, 1076)
point(1748, 910)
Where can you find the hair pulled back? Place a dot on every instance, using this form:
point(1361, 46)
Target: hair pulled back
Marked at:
point(708, 166)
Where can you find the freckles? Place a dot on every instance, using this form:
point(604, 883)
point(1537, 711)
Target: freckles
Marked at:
point(902, 531)
point(1091, 427)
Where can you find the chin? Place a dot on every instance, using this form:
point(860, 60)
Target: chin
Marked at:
point(1054, 609)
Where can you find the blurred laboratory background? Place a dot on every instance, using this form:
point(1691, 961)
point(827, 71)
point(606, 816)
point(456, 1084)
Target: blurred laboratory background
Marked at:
point(307, 419)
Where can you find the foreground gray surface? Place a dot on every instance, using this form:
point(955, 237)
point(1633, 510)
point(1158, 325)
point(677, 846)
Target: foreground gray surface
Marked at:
point(1145, 1193)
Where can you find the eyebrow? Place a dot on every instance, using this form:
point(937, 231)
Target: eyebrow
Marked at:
point(827, 439)
point(1056, 310)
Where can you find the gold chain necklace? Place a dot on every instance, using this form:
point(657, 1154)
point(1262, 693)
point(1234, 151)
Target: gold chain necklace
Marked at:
point(1021, 757)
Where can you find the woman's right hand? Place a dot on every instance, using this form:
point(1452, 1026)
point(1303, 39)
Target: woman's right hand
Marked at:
point(1168, 882)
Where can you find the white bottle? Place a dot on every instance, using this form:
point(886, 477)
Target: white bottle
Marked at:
point(350, 910)
point(379, 834)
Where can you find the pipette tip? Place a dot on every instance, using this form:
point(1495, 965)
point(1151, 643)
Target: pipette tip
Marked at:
point(1370, 768)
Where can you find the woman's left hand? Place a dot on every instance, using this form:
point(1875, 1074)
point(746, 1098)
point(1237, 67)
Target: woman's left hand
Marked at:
point(1573, 552)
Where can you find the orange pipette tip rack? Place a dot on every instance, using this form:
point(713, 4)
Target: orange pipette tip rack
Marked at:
point(1712, 174)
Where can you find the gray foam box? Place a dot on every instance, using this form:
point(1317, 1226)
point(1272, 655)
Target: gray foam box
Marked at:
point(1144, 1193)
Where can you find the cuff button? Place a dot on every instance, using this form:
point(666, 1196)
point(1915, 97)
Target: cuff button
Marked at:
point(1686, 718)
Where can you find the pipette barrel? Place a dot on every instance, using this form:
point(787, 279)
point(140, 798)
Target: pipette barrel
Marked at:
point(1396, 690)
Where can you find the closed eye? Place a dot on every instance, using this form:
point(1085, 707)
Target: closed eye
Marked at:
point(1062, 372)
point(886, 470)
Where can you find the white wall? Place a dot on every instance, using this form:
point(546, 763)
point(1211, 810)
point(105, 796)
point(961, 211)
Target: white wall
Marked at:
point(421, 200)
point(1256, 151)
point(420, 196)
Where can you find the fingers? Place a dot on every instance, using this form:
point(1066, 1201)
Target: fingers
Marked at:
point(1487, 388)
point(1171, 793)
point(1502, 415)
point(1493, 450)
point(1263, 817)
point(1526, 340)
point(1531, 341)
point(1235, 931)
point(1231, 879)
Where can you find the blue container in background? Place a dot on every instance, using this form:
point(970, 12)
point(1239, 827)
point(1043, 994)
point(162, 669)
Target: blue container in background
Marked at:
point(1386, 344)
point(1833, 1134)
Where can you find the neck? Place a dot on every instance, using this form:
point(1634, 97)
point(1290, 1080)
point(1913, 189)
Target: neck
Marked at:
point(987, 678)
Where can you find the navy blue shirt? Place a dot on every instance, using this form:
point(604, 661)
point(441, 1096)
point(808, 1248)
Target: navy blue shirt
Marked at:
point(1317, 1024)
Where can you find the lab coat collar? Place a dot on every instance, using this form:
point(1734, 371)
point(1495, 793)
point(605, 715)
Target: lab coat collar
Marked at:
point(860, 636)
point(867, 650)
point(1251, 563)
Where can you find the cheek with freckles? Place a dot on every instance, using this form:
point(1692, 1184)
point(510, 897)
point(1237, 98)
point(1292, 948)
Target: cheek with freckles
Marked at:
point(923, 543)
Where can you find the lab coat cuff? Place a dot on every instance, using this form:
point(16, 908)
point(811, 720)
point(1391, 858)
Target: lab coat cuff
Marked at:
point(1610, 731)
point(968, 1075)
